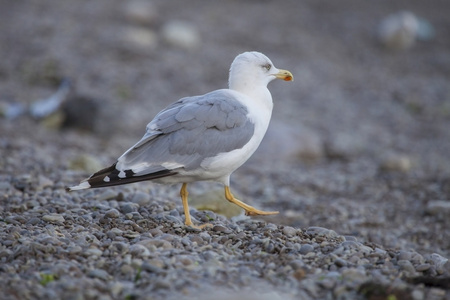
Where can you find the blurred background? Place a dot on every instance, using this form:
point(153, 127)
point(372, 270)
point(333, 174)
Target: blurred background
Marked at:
point(359, 142)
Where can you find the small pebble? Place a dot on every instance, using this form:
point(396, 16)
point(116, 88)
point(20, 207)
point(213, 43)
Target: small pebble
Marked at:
point(120, 248)
point(129, 207)
point(439, 208)
point(423, 267)
point(127, 269)
point(407, 266)
point(351, 245)
point(156, 243)
point(112, 214)
point(320, 231)
point(151, 268)
point(404, 255)
point(108, 194)
point(396, 163)
point(353, 274)
point(350, 238)
point(140, 12)
point(45, 182)
point(221, 228)
point(33, 221)
point(99, 273)
point(53, 218)
point(399, 31)
point(289, 231)
point(438, 261)
point(418, 294)
point(12, 220)
point(93, 252)
point(5, 186)
point(340, 262)
point(155, 232)
point(141, 198)
point(306, 248)
point(181, 34)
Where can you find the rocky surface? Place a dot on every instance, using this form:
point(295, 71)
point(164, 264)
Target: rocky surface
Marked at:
point(356, 160)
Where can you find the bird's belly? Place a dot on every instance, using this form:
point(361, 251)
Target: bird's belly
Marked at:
point(217, 168)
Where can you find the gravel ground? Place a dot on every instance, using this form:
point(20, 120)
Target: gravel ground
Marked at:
point(362, 180)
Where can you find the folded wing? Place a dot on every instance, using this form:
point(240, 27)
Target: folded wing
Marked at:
point(181, 137)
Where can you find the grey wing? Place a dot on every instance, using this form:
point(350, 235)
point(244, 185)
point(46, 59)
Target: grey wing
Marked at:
point(187, 132)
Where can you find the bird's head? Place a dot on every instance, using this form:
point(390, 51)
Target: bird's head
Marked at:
point(254, 69)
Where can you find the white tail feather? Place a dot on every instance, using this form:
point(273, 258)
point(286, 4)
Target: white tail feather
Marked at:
point(83, 185)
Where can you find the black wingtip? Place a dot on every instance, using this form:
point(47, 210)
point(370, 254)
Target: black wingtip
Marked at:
point(97, 180)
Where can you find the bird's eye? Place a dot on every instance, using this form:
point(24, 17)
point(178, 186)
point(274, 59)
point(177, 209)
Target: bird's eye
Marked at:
point(267, 67)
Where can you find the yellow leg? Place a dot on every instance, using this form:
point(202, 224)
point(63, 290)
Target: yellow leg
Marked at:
point(249, 210)
point(184, 198)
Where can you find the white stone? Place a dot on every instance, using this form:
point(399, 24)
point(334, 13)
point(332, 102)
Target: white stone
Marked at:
point(399, 31)
point(181, 34)
point(141, 38)
point(53, 218)
point(140, 12)
point(396, 162)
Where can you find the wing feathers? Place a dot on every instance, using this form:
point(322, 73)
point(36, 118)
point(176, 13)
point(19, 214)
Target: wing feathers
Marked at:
point(111, 176)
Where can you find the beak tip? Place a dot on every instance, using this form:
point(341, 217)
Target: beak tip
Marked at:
point(285, 75)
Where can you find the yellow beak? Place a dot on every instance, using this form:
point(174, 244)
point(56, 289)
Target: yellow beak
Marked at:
point(285, 75)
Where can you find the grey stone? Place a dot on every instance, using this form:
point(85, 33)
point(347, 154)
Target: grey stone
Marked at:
point(306, 248)
point(396, 163)
point(181, 34)
point(404, 255)
point(350, 238)
point(108, 194)
point(399, 31)
point(53, 218)
point(138, 38)
point(354, 274)
point(418, 294)
point(351, 245)
point(438, 261)
point(439, 208)
point(129, 207)
point(141, 12)
point(141, 198)
point(289, 231)
point(34, 221)
point(151, 268)
point(119, 248)
point(221, 228)
point(423, 267)
point(99, 273)
point(93, 252)
point(5, 185)
point(320, 231)
point(407, 266)
point(112, 214)
point(156, 243)
point(340, 262)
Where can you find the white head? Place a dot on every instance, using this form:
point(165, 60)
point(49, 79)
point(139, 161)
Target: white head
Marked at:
point(252, 69)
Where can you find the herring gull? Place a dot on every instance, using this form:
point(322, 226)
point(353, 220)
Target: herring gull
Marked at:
point(204, 137)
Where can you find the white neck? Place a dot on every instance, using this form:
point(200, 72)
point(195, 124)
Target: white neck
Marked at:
point(258, 93)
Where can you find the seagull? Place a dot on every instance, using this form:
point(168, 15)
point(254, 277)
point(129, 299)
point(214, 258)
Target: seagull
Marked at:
point(202, 138)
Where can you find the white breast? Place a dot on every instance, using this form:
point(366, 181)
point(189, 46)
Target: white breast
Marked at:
point(221, 166)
